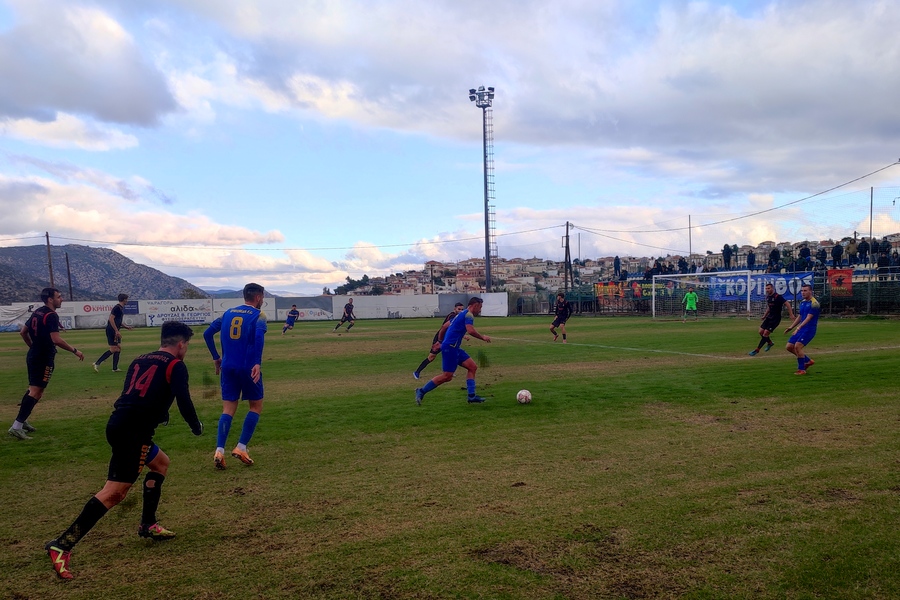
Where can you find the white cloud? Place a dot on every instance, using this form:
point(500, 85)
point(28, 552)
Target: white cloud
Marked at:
point(68, 131)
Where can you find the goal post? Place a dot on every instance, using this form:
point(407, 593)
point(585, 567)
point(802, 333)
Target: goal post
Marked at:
point(720, 294)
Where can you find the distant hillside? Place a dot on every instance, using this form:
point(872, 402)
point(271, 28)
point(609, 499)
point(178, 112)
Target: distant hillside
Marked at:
point(97, 274)
point(222, 293)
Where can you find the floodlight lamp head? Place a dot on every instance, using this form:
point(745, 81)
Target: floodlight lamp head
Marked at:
point(471, 91)
point(491, 90)
point(472, 97)
point(480, 88)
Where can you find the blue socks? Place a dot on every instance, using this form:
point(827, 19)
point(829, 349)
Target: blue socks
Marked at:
point(250, 422)
point(224, 428)
point(470, 387)
point(428, 387)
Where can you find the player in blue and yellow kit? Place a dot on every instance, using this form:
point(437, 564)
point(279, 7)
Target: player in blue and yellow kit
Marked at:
point(805, 324)
point(243, 334)
point(292, 316)
point(452, 356)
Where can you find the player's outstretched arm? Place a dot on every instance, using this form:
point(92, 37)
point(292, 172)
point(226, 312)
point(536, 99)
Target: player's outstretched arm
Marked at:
point(470, 329)
point(183, 398)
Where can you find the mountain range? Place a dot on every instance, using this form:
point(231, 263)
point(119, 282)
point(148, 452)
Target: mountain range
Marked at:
point(96, 274)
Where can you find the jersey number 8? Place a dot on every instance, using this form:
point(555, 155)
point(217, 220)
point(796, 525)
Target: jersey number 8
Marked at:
point(235, 331)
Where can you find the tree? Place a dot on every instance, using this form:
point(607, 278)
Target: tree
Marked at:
point(326, 292)
point(192, 294)
point(377, 290)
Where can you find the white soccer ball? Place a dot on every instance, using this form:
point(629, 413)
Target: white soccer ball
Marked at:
point(523, 397)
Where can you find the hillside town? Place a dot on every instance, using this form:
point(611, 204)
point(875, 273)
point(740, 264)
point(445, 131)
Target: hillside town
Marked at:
point(531, 275)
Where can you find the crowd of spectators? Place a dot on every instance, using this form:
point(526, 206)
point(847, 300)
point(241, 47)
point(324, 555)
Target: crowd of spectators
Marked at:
point(866, 254)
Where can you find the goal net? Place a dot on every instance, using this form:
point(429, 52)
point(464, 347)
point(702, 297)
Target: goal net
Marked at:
point(720, 294)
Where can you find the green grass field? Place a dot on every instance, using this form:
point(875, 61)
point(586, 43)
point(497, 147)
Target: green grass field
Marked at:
point(657, 460)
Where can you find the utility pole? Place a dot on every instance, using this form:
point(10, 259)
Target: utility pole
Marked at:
point(69, 273)
point(568, 262)
point(49, 258)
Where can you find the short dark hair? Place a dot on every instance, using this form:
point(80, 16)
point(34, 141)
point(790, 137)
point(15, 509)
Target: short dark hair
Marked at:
point(458, 304)
point(560, 294)
point(174, 332)
point(123, 297)
point(47, 293)
point(252, 290)
point(475, 300)
point(809, 285)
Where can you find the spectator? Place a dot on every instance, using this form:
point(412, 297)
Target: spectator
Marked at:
point(895, 265)
point(883, 266)
point(863, 251)
point(774, 257)
point(726, 256)
point(852, 249)
point(751, 260)
point(617, 266)
point(805, 260)
point(837, 253)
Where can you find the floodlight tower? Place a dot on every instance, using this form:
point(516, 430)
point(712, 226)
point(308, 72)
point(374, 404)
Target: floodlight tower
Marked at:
point(483, 97)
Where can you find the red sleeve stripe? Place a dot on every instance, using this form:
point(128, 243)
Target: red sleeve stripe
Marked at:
point(169, 370)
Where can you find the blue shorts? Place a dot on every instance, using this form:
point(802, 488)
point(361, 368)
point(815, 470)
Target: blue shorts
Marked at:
point(237, 385)
point(452, 358)
point(803, 337)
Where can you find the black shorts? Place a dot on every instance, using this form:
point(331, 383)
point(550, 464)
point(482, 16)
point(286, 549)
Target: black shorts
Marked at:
point(40, 369)
point(111, 337)
point(345, 319)
point(130, 449)
point(558, 321)
point(770, 323)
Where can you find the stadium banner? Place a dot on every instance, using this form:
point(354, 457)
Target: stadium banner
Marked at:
point(93, 307)
point(311, 308)
point(12, 317)
point(609, 289)
point(643, 289)
point(306, 314)
point(99, 321)
point(192, 312)
point(841, 282)
point(734, 288)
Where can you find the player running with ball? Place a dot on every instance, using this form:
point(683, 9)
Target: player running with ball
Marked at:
point(452, 356)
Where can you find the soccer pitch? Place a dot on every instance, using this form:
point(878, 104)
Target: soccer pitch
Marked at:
point(657, 460)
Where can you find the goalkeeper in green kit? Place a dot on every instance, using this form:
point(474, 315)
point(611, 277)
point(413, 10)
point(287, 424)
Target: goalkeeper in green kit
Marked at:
point(690, 304)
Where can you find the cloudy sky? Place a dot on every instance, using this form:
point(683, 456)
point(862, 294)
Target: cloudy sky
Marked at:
point(297, 143)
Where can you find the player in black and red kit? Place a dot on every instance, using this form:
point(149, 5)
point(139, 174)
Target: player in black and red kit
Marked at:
point(775, 303)
point(114, 326)
point(152, 382)
point(41, 335)
point(562, 310)
point(436, 342)
point(348, 316)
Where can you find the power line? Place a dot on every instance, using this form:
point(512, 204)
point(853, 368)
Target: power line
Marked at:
point(279, 249)
point(749, 214)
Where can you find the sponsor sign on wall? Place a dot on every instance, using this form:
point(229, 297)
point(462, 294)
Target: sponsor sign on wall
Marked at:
point(192, 312)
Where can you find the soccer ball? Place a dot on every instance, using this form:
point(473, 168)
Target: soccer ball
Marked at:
point(524, 397)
